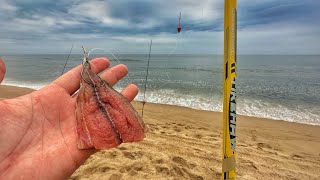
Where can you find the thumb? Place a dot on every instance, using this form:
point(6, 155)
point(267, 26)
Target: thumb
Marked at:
point(2, 70)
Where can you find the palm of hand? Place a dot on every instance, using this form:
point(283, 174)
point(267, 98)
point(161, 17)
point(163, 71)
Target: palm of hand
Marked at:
point(38, 131)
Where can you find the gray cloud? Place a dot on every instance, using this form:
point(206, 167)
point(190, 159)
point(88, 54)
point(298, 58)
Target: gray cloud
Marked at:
point(125, 26)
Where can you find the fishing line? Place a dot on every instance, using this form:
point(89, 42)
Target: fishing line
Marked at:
point(94, 49)
point(174, 49)
point(65, 64)
point(166, 81)
point(167, 73)
point(125, 80)
point(145, 84)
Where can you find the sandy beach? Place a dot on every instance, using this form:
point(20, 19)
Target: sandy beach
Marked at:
point(184, 143)
point(7, 92)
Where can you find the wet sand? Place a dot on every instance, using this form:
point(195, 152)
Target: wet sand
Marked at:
point(7, 92)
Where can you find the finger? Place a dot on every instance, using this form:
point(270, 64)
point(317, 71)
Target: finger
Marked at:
point(114, 74)
point(130, 92)
point(70, 81)
point(2, 69)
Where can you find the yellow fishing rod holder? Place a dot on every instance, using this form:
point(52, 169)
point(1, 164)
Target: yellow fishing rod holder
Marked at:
point(229, 91)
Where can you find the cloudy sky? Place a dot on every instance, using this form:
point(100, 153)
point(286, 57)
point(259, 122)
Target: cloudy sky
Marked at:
point(126, 26)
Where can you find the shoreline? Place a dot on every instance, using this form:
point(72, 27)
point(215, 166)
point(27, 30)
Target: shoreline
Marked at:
point(11, 91)
point(8, 91)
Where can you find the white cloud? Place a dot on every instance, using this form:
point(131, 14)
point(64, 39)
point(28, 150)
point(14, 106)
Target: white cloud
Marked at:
point(97, 11)
point(7, 6)
point(68, 22)
point(195, 11)
point(203, 10)
point(278, 38)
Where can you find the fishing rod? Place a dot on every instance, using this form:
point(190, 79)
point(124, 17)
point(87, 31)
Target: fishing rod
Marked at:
point(229, 91)
point(145, 84)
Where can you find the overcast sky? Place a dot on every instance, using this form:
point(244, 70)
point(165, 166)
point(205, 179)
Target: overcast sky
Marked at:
point(126, 26)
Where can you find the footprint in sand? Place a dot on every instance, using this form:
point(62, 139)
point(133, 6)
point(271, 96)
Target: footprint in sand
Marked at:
point(122, 148)
point(104, 169)
point(133, 169)
point(247, 177)
point(198, 136)
point(133, 155)
point(112, 154)
point(162, 170)
point(191, 175)
point(115, 177)
point(297, 156)
point(153, 127)
point(177, 171)
point(249, 165)
point(158, 161)
point(183, 172)
point(202, 128)
point(182, 162)
point(164, 126)
point(253, 135)
point(263, 145)
point(177, 129)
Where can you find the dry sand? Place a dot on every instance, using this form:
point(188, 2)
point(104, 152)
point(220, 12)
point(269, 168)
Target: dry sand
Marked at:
point(183, 143)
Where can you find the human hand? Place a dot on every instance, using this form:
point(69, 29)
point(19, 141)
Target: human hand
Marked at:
point(2, 70)
point(38, 138)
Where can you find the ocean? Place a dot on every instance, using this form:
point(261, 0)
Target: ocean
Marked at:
point(280, 87)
